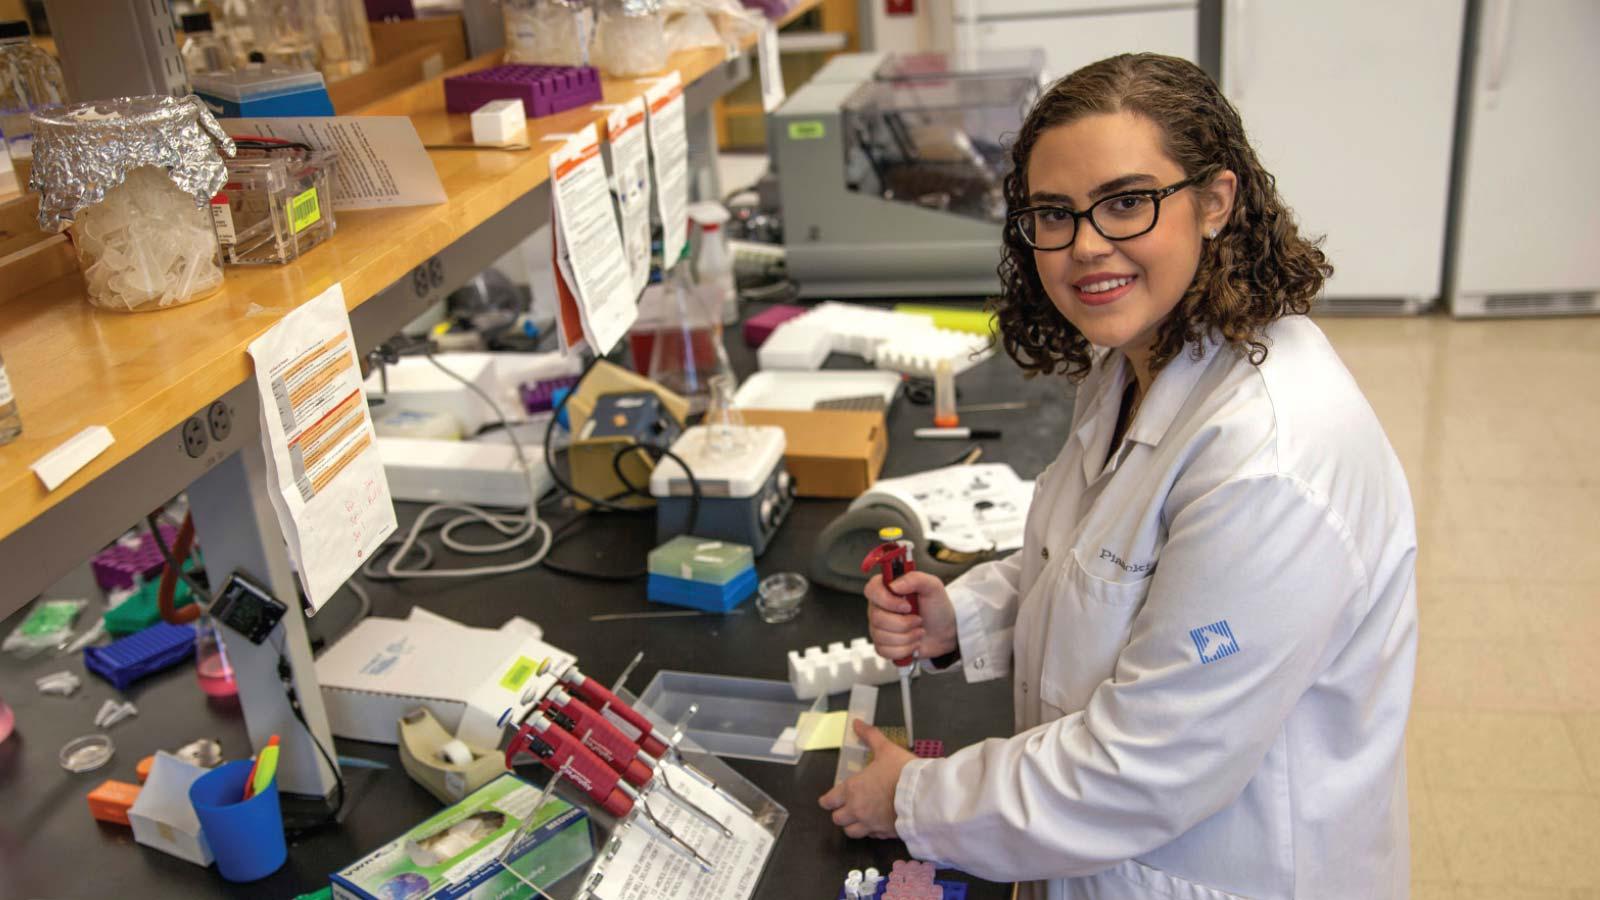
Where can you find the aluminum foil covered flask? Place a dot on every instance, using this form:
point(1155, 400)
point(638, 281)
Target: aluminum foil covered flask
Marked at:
point(132, 179)
point(630, 38)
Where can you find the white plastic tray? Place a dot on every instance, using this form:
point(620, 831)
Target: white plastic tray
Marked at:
point(804, 390)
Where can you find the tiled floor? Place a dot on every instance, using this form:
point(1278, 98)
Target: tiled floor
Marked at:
point(1498, 426)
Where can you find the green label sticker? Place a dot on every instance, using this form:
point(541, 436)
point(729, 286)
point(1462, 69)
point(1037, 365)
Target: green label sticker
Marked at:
point(805, 131)
point(304, 211)
point(518, 674)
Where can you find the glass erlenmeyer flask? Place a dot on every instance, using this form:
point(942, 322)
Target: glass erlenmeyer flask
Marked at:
point(726, 432)
point(688, 351)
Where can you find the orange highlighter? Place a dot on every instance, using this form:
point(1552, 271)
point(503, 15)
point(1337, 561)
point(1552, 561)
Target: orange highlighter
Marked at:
point(265, 769)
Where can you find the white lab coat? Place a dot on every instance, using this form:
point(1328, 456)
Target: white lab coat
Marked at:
point(1212, 638)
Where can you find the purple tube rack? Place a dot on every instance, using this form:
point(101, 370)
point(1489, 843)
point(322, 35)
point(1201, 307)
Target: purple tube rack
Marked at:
point(119, 567)
point(540, 396)
point(543, 90)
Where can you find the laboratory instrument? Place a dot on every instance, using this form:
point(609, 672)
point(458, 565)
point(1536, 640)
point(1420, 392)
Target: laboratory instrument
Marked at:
point(610, 457)
point(557, 750)
point(133, 178)
point(890, 172)
point(740, 490)
point(10, 417)
point(30, 80)
point(895, 557)
point(203, 49)
point(548, 32)
point(276, 205)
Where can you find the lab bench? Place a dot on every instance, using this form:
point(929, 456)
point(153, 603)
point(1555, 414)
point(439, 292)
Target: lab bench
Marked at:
point(50, 847)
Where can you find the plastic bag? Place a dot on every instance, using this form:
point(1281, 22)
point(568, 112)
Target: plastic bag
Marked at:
point(548, 32)
point(47, 626)
point(691, 30)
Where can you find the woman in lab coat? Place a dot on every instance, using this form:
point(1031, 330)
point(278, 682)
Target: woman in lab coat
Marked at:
point(1211, 626)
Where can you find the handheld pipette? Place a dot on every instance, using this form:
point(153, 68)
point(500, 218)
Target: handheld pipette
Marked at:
point(895, 557)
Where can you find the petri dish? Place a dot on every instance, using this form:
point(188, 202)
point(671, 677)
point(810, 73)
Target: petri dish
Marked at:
point(780, 596)
point(87, 753)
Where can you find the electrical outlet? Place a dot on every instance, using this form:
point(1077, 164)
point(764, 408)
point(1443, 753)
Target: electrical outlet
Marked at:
point(221, 421)
point(194, 437)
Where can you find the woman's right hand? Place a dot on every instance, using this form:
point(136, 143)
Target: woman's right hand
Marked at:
point(896, 633)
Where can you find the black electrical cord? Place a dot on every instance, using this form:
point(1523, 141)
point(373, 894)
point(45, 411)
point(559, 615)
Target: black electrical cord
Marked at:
point(571, 528)
point(285, 675)
point(549, 453)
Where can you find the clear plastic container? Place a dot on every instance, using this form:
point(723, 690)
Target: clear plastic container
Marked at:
point(30, 80)
point(743, 718)
point(548, 32)
point(275, 206)
point(344, 46)
point(630, 38)
point(203, 49)
point(147, 246)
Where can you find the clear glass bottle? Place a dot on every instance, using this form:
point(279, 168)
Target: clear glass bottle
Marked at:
point(30, 80)
point(10, 419)
point(203, 49)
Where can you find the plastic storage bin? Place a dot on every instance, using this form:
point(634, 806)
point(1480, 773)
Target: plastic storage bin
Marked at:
point(742, 718)
point(275, 206)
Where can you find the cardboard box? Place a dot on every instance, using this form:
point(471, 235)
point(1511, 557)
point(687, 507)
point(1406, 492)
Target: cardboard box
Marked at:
point(454, 854)
point(466, 677)
point(829, 452)
point(162, 816)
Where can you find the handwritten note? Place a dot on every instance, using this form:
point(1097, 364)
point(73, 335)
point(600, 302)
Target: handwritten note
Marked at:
point(328, 485)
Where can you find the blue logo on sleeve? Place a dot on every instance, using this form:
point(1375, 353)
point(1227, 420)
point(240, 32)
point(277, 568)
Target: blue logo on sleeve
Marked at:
point(1215, 641)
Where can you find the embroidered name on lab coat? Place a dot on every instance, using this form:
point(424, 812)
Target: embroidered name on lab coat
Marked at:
point(1122, 564)
point(1215, 641)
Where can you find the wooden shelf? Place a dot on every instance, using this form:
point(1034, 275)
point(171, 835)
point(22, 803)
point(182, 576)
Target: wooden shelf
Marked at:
point(141, 375)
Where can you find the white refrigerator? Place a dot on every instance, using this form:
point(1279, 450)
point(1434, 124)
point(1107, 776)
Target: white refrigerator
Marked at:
point(1074, 33)
point(1525, 235)
point(1352, 107)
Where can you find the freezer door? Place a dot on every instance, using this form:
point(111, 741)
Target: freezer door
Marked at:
point(1529, 214)
point(1351, 106)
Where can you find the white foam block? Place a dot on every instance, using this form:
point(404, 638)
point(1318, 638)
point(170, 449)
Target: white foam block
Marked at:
point(59, 464)
point(500, 122)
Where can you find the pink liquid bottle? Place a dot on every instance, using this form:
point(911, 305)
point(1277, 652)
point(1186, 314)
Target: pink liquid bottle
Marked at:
point(8, 720)
point(212, 668)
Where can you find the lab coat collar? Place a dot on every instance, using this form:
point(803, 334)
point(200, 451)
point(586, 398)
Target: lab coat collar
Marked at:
point(1099, 419)
point(1170, 391)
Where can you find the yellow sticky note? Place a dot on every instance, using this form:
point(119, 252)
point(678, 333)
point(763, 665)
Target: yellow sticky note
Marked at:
point(822, 731)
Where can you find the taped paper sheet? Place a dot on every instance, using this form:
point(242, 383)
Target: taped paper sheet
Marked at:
point(328, 485)
point(588, 242)
point(630, 174)
point(669, 149)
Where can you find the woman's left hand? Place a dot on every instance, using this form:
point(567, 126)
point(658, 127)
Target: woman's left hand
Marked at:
point(864, 805)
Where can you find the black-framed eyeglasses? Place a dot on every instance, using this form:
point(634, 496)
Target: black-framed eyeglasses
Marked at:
point(1118, 217)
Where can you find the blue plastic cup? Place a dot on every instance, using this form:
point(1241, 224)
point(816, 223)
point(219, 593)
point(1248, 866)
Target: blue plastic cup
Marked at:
point(246, 836)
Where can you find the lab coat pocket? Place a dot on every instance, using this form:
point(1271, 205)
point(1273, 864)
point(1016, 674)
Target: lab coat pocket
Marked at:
point(1089, 624)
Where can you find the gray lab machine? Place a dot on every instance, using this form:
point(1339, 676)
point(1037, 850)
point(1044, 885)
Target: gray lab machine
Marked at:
point(891, 169)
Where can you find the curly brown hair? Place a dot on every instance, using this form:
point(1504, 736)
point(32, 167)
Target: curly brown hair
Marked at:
point(1259, 269)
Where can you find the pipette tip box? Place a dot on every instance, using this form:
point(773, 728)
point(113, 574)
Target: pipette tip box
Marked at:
point(124, 661)
point(702, 595)
point(543, 90)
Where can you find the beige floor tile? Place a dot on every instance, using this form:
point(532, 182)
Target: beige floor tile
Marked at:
point(1585, 731)
point(1574, 674)
point(1497, 751)
point(1561, 611)
point(1427, 852)
point(1486, 675)
point(1452, 609)
point(1520, 839)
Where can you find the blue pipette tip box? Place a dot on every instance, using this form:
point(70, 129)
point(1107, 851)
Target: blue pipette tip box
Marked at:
point(700, 594)
point(124, 661)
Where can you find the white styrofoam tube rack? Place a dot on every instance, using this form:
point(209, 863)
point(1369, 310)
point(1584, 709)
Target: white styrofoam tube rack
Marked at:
point(815, 671)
